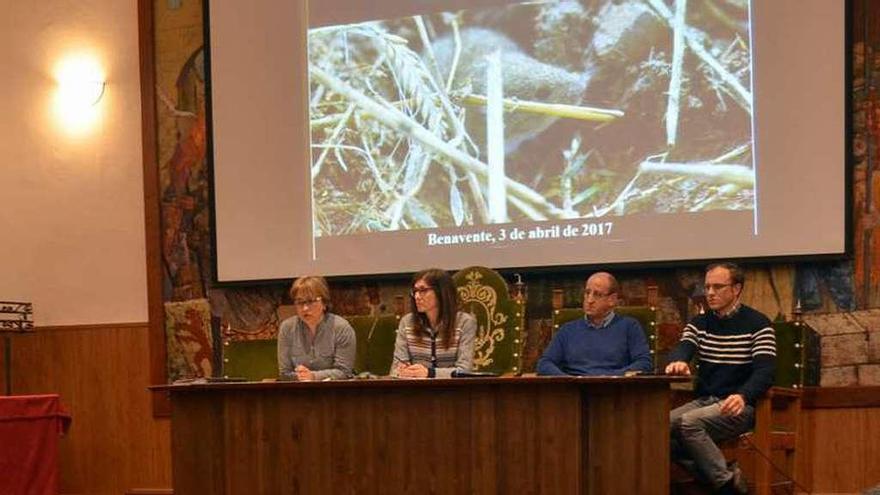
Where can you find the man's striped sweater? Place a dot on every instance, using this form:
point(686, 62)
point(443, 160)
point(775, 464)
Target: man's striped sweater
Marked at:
point(736, 353)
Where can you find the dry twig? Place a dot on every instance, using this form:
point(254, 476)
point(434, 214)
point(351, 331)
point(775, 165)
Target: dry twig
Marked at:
point(555, 109)
point(720, 173)
point(673, 105)
point(495, 139)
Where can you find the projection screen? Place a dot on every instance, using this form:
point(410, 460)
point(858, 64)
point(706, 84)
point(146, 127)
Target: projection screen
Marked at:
point(350, 139)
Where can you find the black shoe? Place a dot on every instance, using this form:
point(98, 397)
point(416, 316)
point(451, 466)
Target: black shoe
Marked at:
point(738, 480)
point(726, 489)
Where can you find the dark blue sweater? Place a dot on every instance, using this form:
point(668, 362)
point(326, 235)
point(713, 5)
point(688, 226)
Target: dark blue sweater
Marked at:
point(579, 348)
point(737, 353)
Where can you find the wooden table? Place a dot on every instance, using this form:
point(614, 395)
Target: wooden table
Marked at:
point(552, 435)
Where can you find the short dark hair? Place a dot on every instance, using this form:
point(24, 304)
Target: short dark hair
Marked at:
point(737, 276)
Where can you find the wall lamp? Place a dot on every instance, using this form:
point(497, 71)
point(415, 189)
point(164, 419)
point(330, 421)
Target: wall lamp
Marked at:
point(81, 87)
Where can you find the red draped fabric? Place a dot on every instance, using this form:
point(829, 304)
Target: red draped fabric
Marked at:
point(30, 427)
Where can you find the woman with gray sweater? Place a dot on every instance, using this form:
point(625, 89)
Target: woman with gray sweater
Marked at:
point(314, 344)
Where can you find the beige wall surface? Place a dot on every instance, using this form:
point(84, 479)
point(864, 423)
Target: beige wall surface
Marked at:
point(72, 208)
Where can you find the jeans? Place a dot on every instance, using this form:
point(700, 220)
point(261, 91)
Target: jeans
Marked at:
point(696, 427)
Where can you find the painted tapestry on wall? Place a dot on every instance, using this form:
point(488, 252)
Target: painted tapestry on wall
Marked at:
point(189, 343)
point(237, 314)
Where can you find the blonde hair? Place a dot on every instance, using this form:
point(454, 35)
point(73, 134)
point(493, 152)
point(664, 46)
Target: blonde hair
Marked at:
point(310, 286)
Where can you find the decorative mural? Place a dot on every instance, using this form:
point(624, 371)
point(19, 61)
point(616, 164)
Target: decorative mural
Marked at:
point(188, 337)
point(198, 315)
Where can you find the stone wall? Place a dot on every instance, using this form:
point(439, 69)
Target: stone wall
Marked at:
point(850, 347)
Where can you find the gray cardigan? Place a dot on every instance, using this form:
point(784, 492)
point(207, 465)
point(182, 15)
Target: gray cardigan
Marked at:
point(330, 355)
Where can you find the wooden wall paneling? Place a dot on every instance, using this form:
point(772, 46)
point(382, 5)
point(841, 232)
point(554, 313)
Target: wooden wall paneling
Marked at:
point(102, 375)
point(838, 449)
point(841, 449)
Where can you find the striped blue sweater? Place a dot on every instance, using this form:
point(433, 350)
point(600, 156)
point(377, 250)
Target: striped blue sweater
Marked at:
point(736, 353)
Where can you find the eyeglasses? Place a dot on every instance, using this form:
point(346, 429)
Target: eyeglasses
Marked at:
point(595, 294)
point(715, 287)
point(420, 291)
point(304, 303)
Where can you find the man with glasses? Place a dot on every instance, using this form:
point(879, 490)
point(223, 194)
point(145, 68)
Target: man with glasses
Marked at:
point(736, 349)
point(601, 343)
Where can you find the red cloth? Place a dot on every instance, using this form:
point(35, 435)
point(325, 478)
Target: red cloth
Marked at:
point(30, 426)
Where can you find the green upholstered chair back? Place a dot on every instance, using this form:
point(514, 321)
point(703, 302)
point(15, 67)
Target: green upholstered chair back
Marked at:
point(500, 319)
point(253, 360)
point(375, 342)
point(646, 316)
point(796, 354)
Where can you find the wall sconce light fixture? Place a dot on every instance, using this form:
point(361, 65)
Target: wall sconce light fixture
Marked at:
point(81, 86)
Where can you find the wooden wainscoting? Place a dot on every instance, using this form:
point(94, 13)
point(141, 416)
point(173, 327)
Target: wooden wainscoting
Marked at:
point(839, 450)
point(102, 373)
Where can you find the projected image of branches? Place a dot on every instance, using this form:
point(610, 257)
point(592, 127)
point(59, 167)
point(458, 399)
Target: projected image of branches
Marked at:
point(536, 111)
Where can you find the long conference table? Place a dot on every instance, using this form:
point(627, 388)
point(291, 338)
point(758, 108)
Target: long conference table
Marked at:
point(553, 435)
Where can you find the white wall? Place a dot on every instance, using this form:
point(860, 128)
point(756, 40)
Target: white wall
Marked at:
point(71, 206)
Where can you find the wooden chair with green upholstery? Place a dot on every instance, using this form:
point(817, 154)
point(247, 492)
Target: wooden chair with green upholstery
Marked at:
point(777, 414)
point(645, 315)
point(500, 319)
point(375, 342)
point(796, 354)
point(253, 360)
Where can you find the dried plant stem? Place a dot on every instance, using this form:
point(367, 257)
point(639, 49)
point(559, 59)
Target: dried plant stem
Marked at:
point(673, 105)
point(371, 164)
point(725, 19)
point(567, 203)
point(426, 42)
point(316, 168)
point(527, 209)
point(327, 120)
point(495, 139)
point(477, 196)
point(397, 208)
point(730, 155)
point(696, 45)
point(720, 173)
point(555, 109)
point(456, 36)
point(398, 121)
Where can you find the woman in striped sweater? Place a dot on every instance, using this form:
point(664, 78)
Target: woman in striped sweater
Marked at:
point(435, 340)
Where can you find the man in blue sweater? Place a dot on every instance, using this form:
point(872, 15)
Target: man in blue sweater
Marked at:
point(736, 349)
point(601, 343)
